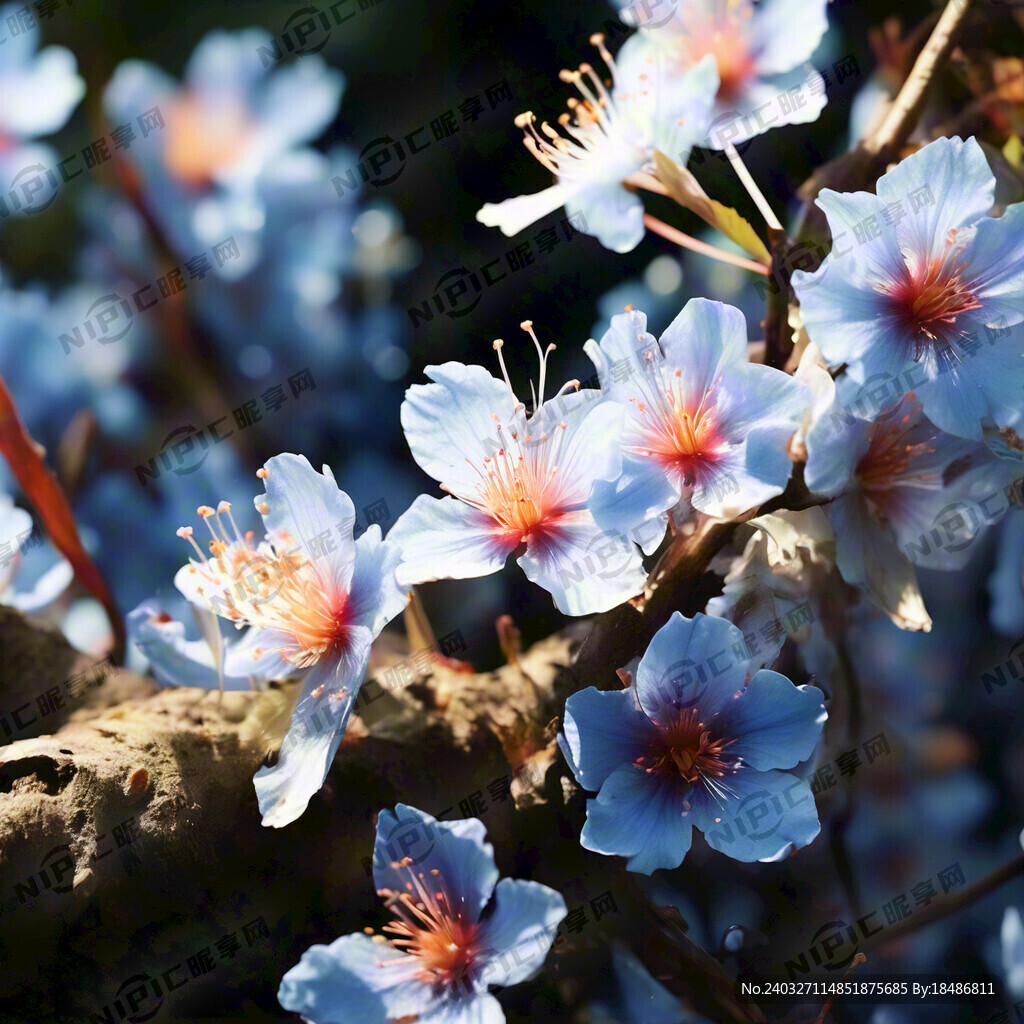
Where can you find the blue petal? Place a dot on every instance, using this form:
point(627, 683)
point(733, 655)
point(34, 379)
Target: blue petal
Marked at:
point(835, 444)
point(444, 538)
point(641, 997)
point(613, 214)
point(374, 596)
point(705, 337)
point(354, 979)
point(175, 660)
point(450, 424)
point(520, 931)
point(306, 505)
point(317, 727)
point(762, 816)
point(583, 568)
point(689, 662)
point(997, 264)
point(961, 184)
point(642, 817)
point(775, 724)
point(602, 730)
point(634, 505)
point(786, 33)
point(455, 849)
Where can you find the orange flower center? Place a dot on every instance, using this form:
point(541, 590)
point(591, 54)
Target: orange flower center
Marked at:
point(200, 139)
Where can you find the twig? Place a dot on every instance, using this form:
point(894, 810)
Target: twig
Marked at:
point(751, 186)
point(689, 242)
point(937, 911)
point(906, 108)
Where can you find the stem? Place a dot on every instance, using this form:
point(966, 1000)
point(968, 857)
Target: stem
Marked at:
point(751, 186)
point(689, 242)
point(857, 961)
point(929, 915)
point(903, 113)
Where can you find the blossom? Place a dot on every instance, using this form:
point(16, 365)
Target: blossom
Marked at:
point(922, 282)
point(611, 135)
point(314, 599)
point(230, 123)
point(695, 741)
point(758, 49)
point(904, 493)
point(514, 480)
point(1011, 938)
point(455, 933)
point(701, 422)
point(38, 92)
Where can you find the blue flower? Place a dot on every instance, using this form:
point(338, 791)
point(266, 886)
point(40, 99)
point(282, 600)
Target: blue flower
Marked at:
point(514, 480)
point(611, 136)
point(1011, 937)
point(639, 998)
point(904, 494)
point(315, 600)
point(701, 422)
point(922, 285)
point(694, 742)
point(38, 92)
point(457, 930)
point(758, 49)
point(230, 123)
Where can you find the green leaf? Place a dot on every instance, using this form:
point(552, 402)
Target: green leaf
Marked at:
point(684, 188)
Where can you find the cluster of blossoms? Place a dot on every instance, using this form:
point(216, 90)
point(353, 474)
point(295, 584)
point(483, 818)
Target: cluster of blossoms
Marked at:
point(593, 490)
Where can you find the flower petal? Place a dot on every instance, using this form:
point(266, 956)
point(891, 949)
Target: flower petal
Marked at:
point(583, 568)
point(374, 596)
point(455, 849)
point(444, 538)
point(513, 215)
point(451, 425)
point(641, 817)
point(763, 816)
point(774, 723)
point(691, 662)
point(520, 931)
point(318, 723)
point(354, 978)
point(307, 505)
point(602, 730)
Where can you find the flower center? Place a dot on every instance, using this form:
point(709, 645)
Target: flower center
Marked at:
point(428, 928)
point(672, 427)
point(201, 138)
point(892, 450)
point(723, 34)
point(520, 486)
point(269, 588)
point(929, 297)
point(689, 749)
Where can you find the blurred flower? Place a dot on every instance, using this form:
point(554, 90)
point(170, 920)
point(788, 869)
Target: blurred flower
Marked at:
point(455, 933)
point(38, 92)
point(314, 603)
point(52, 577)
point(611, 135)
point(218, 133)
point(701, 422)
point(1011, 935)
point(639, 998)
point(758, 49)
point(695, 742)
point(905, 494)
point(928, 278)
point(1006, 584)
point(514, 479)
